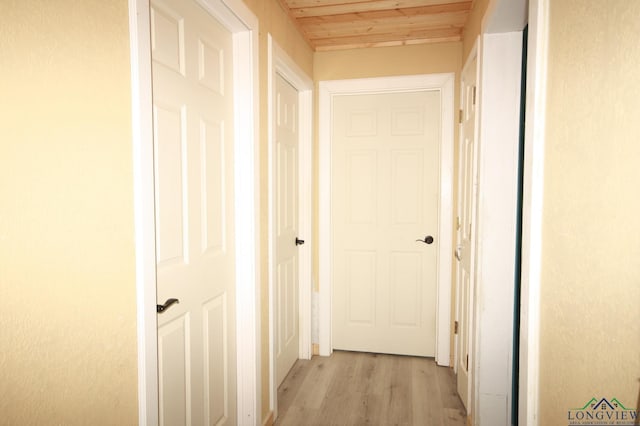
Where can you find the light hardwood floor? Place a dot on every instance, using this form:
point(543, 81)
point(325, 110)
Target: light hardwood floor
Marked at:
point(354, 388)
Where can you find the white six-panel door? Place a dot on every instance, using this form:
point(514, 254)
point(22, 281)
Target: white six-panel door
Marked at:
point(193, 149)
point(286, 227)
point(465, 225)
point(385, 182)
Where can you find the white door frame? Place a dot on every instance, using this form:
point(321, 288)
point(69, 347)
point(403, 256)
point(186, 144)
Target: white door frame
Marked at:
point(234, 15)
point(495, 225)
point(327, 89)
point(533, 194)
point(280, 63)
point(504, 16)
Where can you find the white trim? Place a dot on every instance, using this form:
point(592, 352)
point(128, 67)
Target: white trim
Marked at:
point(325, 266)
point(327, 89)
point(533, 196)
point(443, 318)
point(495, 224)
point(280, 63)
point(239, 20)
point(144, 211)
point(247, 193)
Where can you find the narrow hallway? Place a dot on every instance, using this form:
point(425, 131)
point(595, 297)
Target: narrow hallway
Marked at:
point(353, 388)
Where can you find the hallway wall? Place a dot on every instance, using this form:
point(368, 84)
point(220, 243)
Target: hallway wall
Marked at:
point(590, 284)
point(274, 20)
point(473, 26)
point(67, 279)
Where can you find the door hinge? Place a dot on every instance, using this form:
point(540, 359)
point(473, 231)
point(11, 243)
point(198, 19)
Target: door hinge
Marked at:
point(455, 327)
point(460, 113)
point(474, 95)
point(467, 367)
point(457, 223)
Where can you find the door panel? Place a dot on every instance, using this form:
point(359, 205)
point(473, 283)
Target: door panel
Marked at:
point(405, 272)
point(193, 150)
point(465, 225)
point(216, 360)
point(361, 299)
point(174, 367)
point(385, 195)
point(212, 152)
point(286, 150)
point(362, 169)
point(406, 190)
point(169, 185)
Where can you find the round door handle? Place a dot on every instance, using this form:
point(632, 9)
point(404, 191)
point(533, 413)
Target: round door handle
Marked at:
point(427, 240)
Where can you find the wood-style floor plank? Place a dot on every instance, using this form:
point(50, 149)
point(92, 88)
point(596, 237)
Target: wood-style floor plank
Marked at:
point(290, 387)
point(355, 388)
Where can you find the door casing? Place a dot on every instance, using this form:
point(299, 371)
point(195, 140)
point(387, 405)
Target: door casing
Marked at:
point(280, 63)
point(532, 200)
point(235, 15)
point(495, 224)
point(445, 83)
point(503, 18)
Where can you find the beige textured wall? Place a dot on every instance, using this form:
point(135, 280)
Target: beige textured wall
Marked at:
point(387, 61)
point(590, 296)
point(272, 19)
point(473, 27)
point(67, 284)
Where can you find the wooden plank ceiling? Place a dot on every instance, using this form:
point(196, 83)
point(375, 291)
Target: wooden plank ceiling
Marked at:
point(347, 24)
